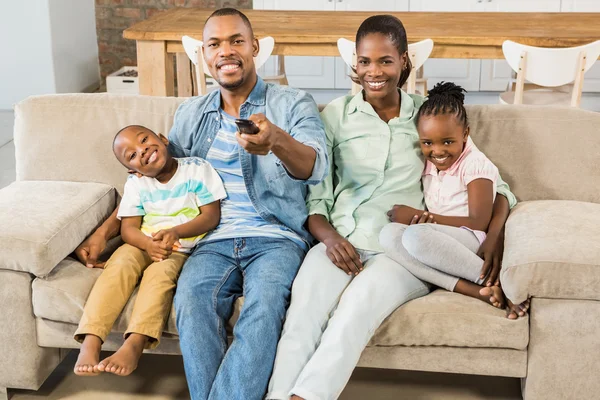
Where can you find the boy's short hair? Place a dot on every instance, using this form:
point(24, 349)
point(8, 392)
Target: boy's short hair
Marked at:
point(127, 127)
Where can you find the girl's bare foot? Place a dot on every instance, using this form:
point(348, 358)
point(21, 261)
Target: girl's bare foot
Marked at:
point(89, 355)
point(516, 311)
point(125, 360)
point(494, 296)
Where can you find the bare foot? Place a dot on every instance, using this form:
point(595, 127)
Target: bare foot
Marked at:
point(516, 311)
point(294, 397)
point(125, 360)
point(494, 296)
point(88, 358)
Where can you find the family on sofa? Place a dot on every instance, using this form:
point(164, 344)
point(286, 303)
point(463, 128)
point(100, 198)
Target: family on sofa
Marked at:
point(389, 184)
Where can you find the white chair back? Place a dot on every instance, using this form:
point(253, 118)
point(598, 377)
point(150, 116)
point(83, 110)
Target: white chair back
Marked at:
point(418, 53)
point(550, 67)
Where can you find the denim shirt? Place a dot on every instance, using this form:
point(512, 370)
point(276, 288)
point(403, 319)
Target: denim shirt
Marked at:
point(276, 195)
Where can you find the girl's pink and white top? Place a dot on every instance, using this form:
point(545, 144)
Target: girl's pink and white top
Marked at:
point(446, 191)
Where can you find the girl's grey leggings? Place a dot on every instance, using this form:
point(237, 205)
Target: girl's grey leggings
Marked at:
point(438, 254)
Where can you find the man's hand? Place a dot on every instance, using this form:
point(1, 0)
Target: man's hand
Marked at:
point(403, 214)
point(262, 142)
point(343, 255)
point(89, 251)
point(169, 237)
point(491, 251)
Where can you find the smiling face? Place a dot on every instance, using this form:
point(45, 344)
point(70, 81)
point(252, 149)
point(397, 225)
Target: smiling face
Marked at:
point(379, 65)
point(141, 150)
point(442, 139)
point(229, 49)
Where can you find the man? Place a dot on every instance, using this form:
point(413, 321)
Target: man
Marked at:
point(261, 240)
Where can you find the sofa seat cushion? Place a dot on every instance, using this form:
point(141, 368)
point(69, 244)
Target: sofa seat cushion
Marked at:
point(444, 318)
point(61, 296)
point(439, 319)
point(47, 220)
point(552, 250)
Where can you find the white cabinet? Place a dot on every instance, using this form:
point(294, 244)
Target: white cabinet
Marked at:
point(591, 81)
point(321, 72)
point(495, 74)
point(580, 6)
point(463, 72)
point(302, 72)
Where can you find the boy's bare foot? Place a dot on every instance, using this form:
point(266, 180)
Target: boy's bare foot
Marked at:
point(89, 355)
point(125, 360)
point(518, 310)
point(494, 296)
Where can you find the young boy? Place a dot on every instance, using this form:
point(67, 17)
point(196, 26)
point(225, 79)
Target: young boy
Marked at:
point(168, 205)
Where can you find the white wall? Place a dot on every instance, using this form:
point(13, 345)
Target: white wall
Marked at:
point(74, 44)
point(48, 46)
point(26, 67)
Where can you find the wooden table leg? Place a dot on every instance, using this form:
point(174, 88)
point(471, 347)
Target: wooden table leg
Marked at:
point(155, 67)
point(184, 75)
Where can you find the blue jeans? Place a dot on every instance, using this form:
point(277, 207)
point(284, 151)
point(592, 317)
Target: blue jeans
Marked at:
point(215, 275)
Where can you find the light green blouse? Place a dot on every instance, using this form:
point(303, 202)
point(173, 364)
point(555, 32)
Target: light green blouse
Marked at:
point(373, 165)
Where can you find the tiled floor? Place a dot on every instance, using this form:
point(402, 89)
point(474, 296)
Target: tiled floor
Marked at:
point(162, 378)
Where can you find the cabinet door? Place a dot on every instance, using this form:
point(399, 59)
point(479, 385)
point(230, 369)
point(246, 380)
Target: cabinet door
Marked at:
point(302, 72)
point(591, 81)
point(342, 70)
point(463, 72)
point(496, 74)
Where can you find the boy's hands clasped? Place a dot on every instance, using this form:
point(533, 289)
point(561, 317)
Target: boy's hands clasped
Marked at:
point(162, 244)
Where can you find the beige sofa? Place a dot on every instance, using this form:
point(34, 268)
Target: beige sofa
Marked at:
point(66, 175)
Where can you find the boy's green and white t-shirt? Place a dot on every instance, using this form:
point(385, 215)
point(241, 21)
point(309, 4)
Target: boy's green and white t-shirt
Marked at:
point(165, 205)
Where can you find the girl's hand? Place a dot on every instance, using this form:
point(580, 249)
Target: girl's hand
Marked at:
point(491, 251)
point(343, 255)
point(425, 218)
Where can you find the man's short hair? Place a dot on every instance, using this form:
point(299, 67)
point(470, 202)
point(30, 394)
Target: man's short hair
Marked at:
point(222, 12)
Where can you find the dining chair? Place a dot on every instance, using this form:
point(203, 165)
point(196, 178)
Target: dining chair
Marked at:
point(556, 74)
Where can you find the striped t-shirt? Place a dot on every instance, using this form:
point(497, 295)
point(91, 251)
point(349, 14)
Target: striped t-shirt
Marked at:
point(239, 218)
point(165, 205)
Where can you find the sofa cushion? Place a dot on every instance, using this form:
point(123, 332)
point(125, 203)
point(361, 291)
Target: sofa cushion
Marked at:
point(450, 319)
point(439, 319)
point(47, 220)
point(552, 250)
point(61, 296)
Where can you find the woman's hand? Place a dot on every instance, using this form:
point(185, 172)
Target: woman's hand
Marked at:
point(91, 248)
point(491, 251)
point(343, 254)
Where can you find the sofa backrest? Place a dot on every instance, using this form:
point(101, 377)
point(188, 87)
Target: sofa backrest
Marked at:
point(543, 153)
point(69, 137)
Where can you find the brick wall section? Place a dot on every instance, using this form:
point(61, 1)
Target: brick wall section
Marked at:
point(114, 16)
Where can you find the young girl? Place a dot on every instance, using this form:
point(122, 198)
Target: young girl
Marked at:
point(459, 185)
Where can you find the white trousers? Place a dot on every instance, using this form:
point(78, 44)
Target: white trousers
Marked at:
point(332, 317)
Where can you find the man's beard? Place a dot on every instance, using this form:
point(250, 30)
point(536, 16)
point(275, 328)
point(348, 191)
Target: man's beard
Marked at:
point(231, 85)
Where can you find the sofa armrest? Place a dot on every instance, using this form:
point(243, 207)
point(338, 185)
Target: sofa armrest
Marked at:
point(552, 250)
point(44, 221)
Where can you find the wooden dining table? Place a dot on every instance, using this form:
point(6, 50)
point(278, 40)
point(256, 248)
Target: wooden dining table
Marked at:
point(315, 33)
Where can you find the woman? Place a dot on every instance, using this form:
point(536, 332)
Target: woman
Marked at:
point(376, 162)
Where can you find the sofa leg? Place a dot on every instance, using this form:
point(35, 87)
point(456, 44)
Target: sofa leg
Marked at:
point(3, 393)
